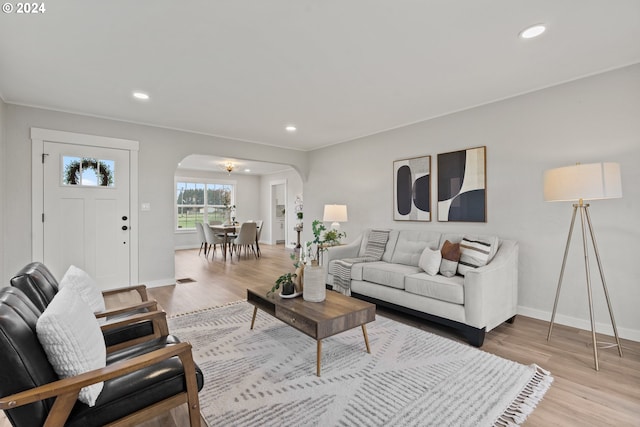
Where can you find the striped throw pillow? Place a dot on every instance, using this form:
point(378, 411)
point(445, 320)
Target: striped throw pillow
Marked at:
point(475, 253)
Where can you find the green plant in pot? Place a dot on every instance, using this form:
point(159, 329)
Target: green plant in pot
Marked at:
point(332, 237)
point(286, 280)
point(317, 227)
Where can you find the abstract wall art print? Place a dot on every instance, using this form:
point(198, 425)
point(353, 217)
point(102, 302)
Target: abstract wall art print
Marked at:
point(462, 185)
point(412, 189)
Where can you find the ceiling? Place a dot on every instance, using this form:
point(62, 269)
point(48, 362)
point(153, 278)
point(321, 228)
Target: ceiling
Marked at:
point(337, 69)
point(217, 164)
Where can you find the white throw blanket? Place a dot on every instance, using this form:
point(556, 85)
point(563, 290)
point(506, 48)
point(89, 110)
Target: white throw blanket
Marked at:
point(341, 268)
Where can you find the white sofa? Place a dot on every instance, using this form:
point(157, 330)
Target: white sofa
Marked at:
point(476, 303)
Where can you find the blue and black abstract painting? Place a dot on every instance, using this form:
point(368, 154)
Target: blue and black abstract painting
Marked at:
point(412, 189)
point(462, 185)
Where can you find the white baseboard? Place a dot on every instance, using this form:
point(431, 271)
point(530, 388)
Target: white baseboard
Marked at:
point(179, 248)
point(585, 324)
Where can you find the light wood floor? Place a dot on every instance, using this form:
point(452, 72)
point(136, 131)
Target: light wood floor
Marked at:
point(579, 396)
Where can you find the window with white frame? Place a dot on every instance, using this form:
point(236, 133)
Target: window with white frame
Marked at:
point(202, 201)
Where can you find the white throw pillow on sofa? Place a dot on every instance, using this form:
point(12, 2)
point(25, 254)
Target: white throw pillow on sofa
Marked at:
point(71, 337)
point(430, 261)
point(85, 286)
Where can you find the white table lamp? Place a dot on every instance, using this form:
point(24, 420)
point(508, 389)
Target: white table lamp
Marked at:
point(335, 214)
point(578, 183)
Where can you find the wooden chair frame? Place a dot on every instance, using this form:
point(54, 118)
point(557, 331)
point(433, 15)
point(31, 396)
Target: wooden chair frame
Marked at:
point(66, 391)
point(157, 318)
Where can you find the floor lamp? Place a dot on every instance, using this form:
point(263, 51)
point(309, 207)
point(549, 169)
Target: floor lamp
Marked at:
point(579, 183)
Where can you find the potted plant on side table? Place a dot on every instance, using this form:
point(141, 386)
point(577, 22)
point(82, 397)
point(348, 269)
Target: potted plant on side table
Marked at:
point(332, 237)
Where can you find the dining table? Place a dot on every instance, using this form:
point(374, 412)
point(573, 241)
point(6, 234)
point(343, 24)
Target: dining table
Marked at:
point(226, 230)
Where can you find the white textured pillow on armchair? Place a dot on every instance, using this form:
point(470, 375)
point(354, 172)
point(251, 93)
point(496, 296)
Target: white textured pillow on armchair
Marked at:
point(84, 285)
point(72, 339)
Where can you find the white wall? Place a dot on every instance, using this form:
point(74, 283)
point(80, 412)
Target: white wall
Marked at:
point(589, 120)
point(160, 152)
point(247, 200)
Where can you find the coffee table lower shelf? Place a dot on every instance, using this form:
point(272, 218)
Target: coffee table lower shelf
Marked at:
point(319, 320)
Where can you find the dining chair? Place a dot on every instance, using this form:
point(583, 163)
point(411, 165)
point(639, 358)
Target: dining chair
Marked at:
point(246, 238)
point(212, 239)
point(202, 238)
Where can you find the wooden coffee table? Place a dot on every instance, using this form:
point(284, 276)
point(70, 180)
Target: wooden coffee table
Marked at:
point(336, 314)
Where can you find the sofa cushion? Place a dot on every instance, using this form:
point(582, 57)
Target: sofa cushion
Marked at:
point(448, 289)
point(476, 252)
point(410, 245)
point(387, 274)
point(72, 340)
point(450, 257)
point(430, 261)
point(356, 271)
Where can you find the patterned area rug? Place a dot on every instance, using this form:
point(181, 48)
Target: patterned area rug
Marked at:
point(266, 376)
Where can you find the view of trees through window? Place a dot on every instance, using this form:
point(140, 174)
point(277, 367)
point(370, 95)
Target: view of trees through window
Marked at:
point(202, 202)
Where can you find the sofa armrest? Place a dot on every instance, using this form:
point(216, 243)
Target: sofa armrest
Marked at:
point(350, 250)
point(491, 291)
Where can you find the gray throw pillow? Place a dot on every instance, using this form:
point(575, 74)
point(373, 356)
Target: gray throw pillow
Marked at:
point(450, 257)
point(448, 268)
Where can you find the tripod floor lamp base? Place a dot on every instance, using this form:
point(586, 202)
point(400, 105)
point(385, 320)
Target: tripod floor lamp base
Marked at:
point(585, 221)
point(593, 181)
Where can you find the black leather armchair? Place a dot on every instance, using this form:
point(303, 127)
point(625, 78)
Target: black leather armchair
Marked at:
point(140, 381)
point(40, 286)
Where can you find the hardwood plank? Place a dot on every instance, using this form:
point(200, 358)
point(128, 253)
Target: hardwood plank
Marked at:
point(579, 396)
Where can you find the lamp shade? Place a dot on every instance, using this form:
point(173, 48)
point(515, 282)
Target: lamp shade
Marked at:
point(335, 213)
point(592, 181)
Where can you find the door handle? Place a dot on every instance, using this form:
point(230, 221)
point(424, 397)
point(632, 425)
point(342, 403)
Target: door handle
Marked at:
point(125, 228)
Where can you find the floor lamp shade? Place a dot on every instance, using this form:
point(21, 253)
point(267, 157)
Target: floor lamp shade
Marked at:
point(335, 214)
point(592, 181)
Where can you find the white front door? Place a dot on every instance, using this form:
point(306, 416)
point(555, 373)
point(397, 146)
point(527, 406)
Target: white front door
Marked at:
point(86, 211)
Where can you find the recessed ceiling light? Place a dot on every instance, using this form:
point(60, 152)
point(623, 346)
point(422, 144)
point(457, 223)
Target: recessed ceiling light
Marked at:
point(533, 31)
point(290, 128)
point(140, 95)
point(247, 170)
